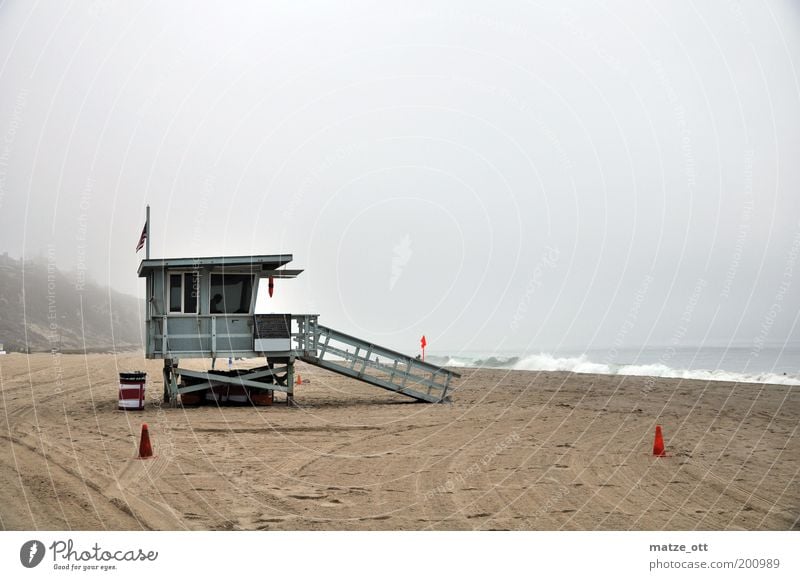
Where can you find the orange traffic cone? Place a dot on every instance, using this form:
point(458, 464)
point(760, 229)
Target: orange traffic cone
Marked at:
point(145, 449)
point(299, 380)
point(658, 444)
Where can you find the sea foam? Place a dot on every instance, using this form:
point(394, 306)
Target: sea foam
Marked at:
point(582, 364)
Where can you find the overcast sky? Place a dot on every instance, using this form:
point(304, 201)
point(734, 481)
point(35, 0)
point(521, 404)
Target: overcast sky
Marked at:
point(518, 175)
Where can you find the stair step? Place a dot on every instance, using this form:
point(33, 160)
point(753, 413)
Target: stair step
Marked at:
point(379, 366)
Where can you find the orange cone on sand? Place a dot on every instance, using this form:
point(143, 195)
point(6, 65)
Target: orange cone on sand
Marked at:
point(145, 449)
point(299, 380)
point(658, 444)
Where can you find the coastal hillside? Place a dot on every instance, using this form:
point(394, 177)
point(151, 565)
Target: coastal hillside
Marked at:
point(42, 308)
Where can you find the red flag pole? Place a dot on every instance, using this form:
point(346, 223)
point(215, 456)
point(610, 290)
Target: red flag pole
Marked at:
point(423, 343)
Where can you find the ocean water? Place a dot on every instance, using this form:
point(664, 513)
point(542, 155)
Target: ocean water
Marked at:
point(772, 364)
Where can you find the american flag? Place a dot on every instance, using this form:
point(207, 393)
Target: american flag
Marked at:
point(142, 238)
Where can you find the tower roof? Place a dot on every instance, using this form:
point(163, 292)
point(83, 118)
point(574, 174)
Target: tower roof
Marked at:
point(265, 265)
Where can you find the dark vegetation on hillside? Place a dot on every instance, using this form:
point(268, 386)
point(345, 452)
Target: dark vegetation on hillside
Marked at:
point(42, 308)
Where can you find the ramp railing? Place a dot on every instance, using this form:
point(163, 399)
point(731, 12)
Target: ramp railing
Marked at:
point(371, 363)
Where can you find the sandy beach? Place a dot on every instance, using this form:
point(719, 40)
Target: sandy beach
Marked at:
point(515, 450)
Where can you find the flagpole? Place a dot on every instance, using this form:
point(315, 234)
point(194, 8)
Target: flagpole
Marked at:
point(147, 231)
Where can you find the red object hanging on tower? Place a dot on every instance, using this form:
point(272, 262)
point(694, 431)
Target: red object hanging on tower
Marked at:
point(271, 286)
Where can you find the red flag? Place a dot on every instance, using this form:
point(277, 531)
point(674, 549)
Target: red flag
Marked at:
point(423, 343)
point(142, 238)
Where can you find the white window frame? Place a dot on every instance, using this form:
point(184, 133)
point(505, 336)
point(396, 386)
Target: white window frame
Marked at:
point(182, 274)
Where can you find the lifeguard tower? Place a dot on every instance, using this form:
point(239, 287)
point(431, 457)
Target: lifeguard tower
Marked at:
point(205, 308)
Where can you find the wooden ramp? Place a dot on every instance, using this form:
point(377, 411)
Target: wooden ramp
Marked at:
point(376, 365)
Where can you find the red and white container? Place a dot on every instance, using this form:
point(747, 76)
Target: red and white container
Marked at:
point(131, 390)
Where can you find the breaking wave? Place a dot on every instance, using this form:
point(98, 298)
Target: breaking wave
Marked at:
point(582, 364)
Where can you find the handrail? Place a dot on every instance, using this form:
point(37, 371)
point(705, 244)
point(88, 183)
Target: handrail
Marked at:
point(355, 340)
